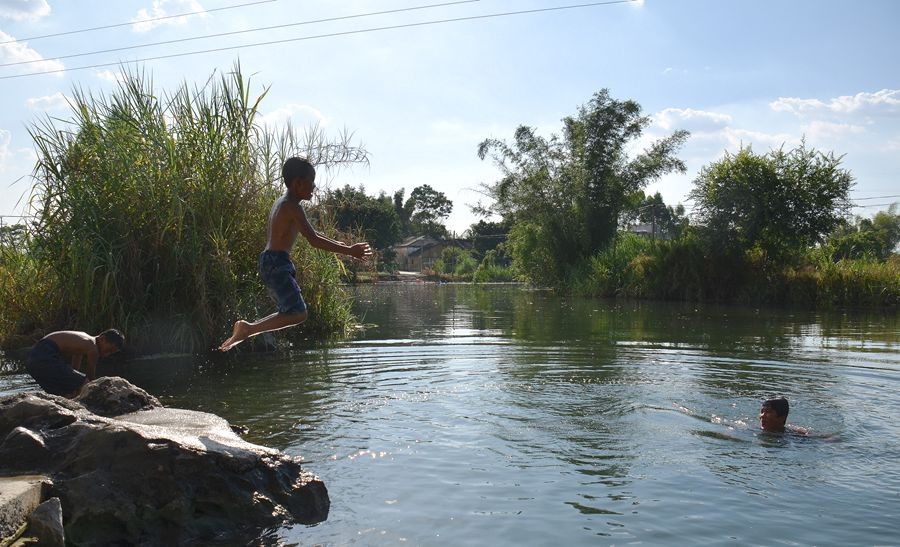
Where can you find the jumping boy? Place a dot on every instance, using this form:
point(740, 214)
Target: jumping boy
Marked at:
point(55, 362)
point(286, 220)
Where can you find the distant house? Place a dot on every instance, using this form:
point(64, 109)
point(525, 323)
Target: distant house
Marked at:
point(642, 229)
point(650, 230)
point(418, 253)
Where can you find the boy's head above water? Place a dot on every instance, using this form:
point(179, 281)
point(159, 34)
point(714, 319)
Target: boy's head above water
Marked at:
point(773, 414)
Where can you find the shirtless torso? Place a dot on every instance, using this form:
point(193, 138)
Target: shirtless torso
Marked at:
point(77, 345)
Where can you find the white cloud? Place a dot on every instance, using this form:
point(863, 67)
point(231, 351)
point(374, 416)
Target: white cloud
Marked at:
point(670, 70)
point(21, 10)
point(144, 22)
point(884, 101)
point(690, 119)
point(17, 52)
point(300, 116)
point(110, 76)
point(761, 142)
point(57, 101)
point(823, 129)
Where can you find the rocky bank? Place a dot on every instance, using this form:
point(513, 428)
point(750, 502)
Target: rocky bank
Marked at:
point(128, 471)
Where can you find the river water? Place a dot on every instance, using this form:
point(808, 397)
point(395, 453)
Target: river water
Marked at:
point(498, 415)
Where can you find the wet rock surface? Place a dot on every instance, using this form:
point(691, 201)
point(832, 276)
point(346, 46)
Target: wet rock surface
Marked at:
point(127, 470)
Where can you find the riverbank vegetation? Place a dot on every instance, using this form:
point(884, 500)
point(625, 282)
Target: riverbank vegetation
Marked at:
point(150, 211)
point(767, 228)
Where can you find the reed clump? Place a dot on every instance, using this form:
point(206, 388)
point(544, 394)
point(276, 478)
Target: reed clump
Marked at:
point(150, 212)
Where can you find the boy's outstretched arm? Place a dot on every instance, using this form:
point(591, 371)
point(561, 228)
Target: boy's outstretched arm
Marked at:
point(359, 250)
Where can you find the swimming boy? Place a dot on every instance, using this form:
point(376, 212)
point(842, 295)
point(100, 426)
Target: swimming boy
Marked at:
point(773, 414)
point(55, 361)
point(286, 221)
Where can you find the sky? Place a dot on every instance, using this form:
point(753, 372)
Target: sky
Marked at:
point(420, 98)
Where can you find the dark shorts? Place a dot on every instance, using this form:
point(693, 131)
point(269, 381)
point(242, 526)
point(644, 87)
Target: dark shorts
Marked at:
point(280, 277)
point(51, 371)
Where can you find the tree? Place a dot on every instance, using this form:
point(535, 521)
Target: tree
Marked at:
point(781, 202)
point(455, 261)
point(564, 195)
point(667, 221)
point(427, 209)
point(873, 238)
point(12, 236)
point(486, 236)
point(887, 223)
point(402, 212)
point(376, 217)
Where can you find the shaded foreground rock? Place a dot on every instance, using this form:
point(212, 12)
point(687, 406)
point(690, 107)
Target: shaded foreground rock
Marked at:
point(45, 523)
point(144, 474)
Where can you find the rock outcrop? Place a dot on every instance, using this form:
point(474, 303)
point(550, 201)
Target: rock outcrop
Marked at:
point(127, 470)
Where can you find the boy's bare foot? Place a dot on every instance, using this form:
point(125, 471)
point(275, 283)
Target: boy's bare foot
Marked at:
point(241, 332)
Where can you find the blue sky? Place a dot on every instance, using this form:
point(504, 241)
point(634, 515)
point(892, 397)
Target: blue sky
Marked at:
point(420, 99)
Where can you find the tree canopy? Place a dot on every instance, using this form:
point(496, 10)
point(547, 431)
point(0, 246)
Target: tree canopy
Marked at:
point(877, 237)
point(564, 195)
point(427, 209)
point(781, 202)
point(375, 217)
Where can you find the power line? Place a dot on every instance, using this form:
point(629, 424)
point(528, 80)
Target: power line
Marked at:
point(329, 35)
point(877, 197)
point(852, 199)
point(161, 18)
point(220, 34)
point(874, 205)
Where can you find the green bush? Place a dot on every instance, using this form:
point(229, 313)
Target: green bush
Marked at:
point(455, 261)
point(688, 269)
point(489, 271)
point(607, 273)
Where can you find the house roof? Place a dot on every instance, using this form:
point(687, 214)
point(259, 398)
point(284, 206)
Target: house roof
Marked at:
point(417, 241)
point(416, 244)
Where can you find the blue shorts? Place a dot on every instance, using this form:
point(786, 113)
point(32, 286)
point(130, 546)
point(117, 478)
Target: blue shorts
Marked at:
point(50, 370)
point(280, 277)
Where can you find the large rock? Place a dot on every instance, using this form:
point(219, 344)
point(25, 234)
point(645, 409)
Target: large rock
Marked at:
point(142, 474)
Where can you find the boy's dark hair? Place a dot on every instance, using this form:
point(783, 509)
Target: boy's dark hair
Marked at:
point(297, 167)
point(114, 337)
point(779, 405)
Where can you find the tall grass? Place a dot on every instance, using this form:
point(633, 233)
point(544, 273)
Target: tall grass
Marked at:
point(607, 273)
point(151, 211)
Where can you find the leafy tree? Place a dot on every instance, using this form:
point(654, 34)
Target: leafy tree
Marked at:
point(487, 236)
point(427, 209)
point(376, 217)
point(781, 202)
point(888, 224)
point(873, 238)
point(402, 212)
point(455, 261)
point(668, 221)
point(564, 195)
point(12, 236)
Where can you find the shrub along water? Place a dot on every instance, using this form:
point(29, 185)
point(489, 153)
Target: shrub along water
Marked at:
point(690, 269)
point(151, 211)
